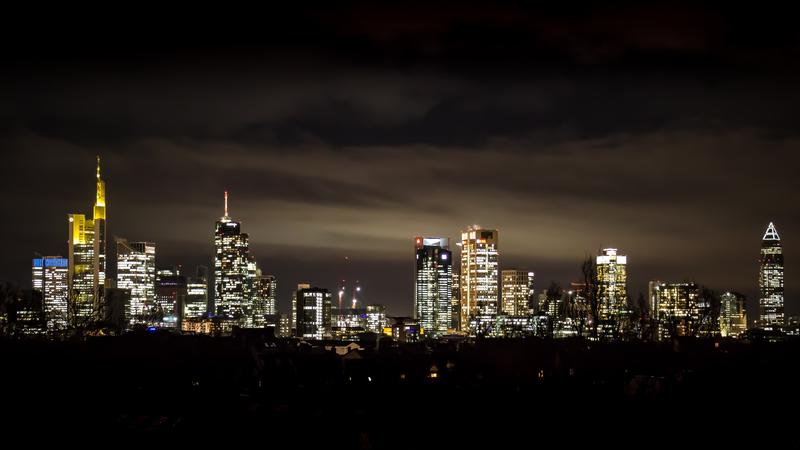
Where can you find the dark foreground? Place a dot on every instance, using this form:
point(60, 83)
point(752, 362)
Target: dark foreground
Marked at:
point(494, 394)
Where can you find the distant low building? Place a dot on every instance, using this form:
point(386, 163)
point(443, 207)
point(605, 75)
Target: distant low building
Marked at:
point(213, 326)
point(403, 329)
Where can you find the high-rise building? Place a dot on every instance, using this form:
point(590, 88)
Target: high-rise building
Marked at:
point(50, 275)
point(433, 285)
point(136, 272)
point(732, 314)
point(675, 308)
point(196, 304)
point(770, 280)
point(171, 292)
point(313, 313)
point(232, 268)
point(612, 293)
point(376, 318)
point(300, 286)
point(479, 277)
point(455, 302)
point(517, 291)
point(263, 299)
point(87, 259)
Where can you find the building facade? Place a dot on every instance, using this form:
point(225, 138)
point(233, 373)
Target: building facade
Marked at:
point(675, 309)
point(196, 304)
point(136, 272)
point(770, 280)
point(264, 293)
point(479, 278)
point(433, 285)
point(50, 278)
point(612, 292)
point(517, 292)
point(313, 313)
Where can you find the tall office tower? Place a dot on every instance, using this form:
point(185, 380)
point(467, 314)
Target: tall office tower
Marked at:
point(50, 276)
point(517, 288)
point(732, 314)
point(136, 272)
point(433, 285)
point(263, 299)
point(313, 313)
point(87, 258)
point(479, 276)
point(196, 294)
point(612, 293)
point(232, 267)
point(675, 308)
point(376, 318)
point(455, 302)
point(171, 293)
point(295, 294)
point(770, 280)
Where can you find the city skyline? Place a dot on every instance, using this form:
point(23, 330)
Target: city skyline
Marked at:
point(344, 132)
point(249, 264)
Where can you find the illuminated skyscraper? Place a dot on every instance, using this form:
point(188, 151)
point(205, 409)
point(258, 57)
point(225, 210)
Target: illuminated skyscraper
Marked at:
point(313, 313)
point(197, 294)
point(479, 276)
point(517, 291)
point(295, 295)
point(612, 293)
point(433, 285)
point(50, 276)
point(263, 297)
point(232, 267)
point(87, 258)
point(770, 280)
point(675, 308)
point(136, 272)
point(732, 314)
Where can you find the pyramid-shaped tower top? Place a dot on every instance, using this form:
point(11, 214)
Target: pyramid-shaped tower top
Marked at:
point(771, 234)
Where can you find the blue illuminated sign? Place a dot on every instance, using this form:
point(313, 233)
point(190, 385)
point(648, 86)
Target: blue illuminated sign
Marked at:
point(37, 262)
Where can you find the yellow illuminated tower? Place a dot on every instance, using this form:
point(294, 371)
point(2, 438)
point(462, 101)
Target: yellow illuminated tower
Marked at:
point(87, 258)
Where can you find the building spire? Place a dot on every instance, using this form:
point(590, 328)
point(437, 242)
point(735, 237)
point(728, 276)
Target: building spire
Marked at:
point(100, 197)
point(771, 234)
point(226, 203)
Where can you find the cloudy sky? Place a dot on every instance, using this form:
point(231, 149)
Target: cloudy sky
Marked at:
point(669, 132)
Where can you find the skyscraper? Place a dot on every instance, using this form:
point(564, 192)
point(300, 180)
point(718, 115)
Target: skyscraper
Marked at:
point(295, 295)
point(612, 293)
point(231, 269)
point(732, 314)
point(136, 271)
point(87, 258)
point(263, 295)
point(313, 313)
point(517, 289)
point(433, 285)
point(479, 276)
point(770, 280)
point(50, 276)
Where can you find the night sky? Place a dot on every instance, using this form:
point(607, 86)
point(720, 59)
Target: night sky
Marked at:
point(669, 132)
